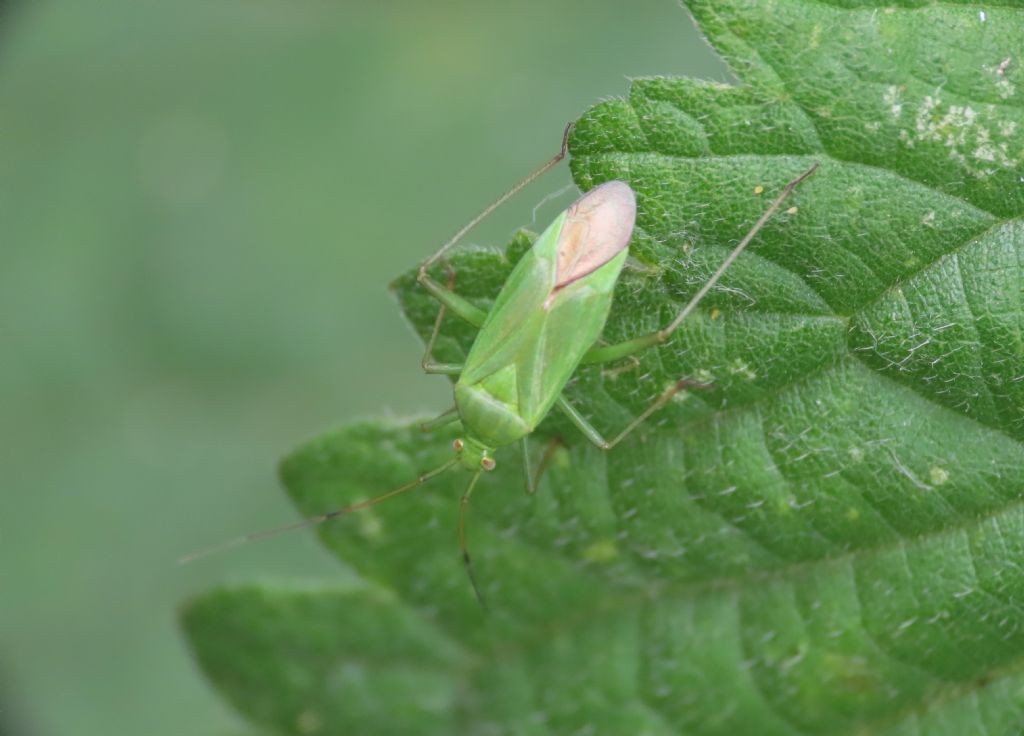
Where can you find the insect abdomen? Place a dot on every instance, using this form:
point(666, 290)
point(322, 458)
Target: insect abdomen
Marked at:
point(488, 419)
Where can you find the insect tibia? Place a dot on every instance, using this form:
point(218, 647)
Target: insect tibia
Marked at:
point(468, 562)
point(731, 258)
point(799, 180)
point(318, 519)
point(425, 266)
point(463, 544)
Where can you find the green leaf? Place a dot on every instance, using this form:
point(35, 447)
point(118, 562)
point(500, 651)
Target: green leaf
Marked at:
point(828, 541)
point(282, 657)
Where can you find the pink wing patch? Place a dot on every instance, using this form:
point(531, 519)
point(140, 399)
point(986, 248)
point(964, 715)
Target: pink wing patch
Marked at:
point(597, 228)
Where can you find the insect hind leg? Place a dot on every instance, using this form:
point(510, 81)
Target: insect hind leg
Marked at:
point(422, 276)
point(429, 364)
point(445, 294)
point(450, 300)
point(607, 353)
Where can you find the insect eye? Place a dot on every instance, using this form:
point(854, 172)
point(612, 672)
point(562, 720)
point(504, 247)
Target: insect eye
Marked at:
point(458, 445)
point(487, 463)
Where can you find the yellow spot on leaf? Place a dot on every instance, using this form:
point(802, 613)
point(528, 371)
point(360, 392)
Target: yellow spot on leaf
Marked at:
point(309, 721)
point(938, 475)
point(704, 376)
point(815, 40)
point(370, 526)
point(851, 674)
point(604, 550)
point(740, 368)
point(680, 397)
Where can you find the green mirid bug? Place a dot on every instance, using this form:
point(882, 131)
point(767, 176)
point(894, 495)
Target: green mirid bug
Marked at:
point(546, 321)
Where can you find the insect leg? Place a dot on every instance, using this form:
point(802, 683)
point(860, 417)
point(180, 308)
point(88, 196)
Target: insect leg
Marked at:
point(595, 437)
point(441, 369)
point(463, 502)
point(446, 417)
point(533, 477)
point(605, 353)
point(445, 294)
point(450, 300)
point(429, 364)
point(422, 278)
point(588, 429)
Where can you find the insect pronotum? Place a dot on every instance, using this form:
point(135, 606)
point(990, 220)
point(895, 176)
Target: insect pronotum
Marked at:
point(546, 320)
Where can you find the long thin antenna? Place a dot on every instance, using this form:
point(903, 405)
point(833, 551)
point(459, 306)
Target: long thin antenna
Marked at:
point(498, 202)
point(319, 519)
point(787, 190)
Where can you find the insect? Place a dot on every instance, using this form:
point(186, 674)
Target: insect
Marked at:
point(545, 322)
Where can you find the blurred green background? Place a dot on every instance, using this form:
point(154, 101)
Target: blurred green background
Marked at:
point(201, 205)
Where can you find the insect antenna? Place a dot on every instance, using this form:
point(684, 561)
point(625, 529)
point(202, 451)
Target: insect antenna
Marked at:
point(319, 518)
